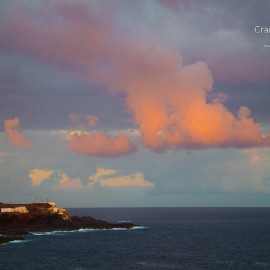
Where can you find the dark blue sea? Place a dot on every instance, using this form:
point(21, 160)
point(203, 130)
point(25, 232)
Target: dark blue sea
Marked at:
point(169, 238)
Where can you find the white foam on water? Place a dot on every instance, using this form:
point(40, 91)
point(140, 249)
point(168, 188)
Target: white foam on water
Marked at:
point(43, 233)
point(62, 232)
point(126, 229)
point(117, 229)
point(18, 241)
point(138, 228)
point(86, 230)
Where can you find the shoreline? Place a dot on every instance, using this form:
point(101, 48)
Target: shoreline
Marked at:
point(9, 237)
point(19, 220)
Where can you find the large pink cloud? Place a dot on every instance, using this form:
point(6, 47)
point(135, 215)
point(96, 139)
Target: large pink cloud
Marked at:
point(15, 136)
point(167, 99)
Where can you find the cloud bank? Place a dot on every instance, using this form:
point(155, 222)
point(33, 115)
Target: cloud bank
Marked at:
point(103, 177)
point(168, 100)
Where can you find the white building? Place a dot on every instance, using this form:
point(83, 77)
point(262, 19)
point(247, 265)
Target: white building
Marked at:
point(7, 210)
point(18, 209)
point(21, 210)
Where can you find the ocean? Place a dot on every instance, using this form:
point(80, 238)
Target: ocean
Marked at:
point(168, 238)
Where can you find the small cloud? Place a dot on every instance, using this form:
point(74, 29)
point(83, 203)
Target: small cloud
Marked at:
point(100, 144)
point(66, 183)
point(37, 176)
point(101, 172)
point(16, 138)
point(133, 180)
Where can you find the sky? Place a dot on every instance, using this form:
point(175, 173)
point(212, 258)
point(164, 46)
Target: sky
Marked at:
point(148, 103)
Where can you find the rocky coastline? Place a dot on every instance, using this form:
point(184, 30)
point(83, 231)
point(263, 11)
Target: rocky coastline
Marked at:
point(44, 217)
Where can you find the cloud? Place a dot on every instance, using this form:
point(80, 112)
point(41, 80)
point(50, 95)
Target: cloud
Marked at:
point(100, 173)
point(244, 112)
point(133, 180)
point(62, 180)
point(102, 177)
point(100, 144)
point(15, 136)
point(66, 183)
point(170, 106)
point(37, 176)
point(168, 101)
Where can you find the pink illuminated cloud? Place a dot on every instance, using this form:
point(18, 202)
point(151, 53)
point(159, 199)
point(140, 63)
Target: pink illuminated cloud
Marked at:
point(15, 136)
point(100, 144)
point(168, 100)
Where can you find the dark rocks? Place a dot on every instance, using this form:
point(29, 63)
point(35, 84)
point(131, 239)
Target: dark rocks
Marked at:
point(89, 222)
point(15, 225)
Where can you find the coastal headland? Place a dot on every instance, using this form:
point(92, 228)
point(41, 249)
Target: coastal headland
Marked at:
point(18, 220)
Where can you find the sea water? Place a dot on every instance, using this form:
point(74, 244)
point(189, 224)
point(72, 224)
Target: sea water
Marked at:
point(167, 238)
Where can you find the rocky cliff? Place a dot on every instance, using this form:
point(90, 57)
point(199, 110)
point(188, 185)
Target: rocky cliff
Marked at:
point(46, 217)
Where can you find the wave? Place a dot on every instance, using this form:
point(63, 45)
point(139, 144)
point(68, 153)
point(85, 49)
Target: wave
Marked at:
point(127, 229)
point(55, 232)
point(88, 230)
point(139, 228)
point(58, 232)
point(16, 242)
